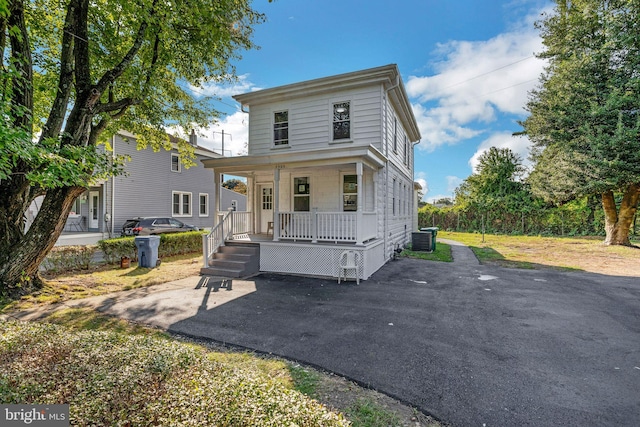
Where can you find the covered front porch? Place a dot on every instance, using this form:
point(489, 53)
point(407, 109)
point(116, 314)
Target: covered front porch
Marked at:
point(303, 210)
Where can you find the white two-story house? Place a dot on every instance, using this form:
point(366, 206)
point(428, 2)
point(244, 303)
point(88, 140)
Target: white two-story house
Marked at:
point(329, 168)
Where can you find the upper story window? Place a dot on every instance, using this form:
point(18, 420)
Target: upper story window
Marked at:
point(281, 128)
point(342, 120)
point(175, 163)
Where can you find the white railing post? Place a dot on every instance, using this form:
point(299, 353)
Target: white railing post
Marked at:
point(314, 225)
point(205, 249)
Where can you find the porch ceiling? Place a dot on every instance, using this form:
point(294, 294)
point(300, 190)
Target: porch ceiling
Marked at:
point(368, 155)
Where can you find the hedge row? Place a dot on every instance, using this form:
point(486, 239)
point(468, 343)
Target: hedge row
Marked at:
point(64, 258)
point(170, 244)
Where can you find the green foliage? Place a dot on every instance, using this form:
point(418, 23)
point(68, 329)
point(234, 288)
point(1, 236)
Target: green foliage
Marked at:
point(585, 122)
point(65, 258)
point(235, 185)
point(170, 244)
point(180, 243)
point(115, 379)
point(114, 249)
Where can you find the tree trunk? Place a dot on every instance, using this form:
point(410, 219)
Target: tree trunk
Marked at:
point(618, 221)
point(22, 256)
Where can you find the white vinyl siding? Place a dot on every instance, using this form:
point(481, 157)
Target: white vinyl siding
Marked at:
point(310, 125)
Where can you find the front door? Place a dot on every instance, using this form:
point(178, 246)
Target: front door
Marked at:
point(266, 208)
point(94, 210)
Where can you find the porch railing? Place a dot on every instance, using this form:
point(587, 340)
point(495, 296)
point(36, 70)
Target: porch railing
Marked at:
point(212, 241)
point(327, 226)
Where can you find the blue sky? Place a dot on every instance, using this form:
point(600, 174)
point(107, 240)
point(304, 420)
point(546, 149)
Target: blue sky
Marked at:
point(467, 66)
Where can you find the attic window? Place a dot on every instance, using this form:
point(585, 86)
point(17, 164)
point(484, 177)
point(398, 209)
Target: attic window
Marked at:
point(281, 128)
point(341, 120)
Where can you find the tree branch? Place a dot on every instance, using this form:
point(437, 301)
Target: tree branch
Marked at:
point(110, 76)
point(59, 107)
point(117, 105)
point(22, 96)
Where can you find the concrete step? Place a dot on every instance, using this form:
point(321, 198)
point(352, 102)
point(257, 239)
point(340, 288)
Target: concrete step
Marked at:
point(234, 260)
point(223, 272)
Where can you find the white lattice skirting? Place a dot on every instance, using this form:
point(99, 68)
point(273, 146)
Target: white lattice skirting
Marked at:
point(318, 260)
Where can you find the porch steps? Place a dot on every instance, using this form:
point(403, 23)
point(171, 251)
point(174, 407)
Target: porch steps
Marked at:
point(235, 259)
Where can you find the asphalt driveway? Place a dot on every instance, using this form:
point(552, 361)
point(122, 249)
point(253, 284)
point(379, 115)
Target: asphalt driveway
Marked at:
point(470, 344)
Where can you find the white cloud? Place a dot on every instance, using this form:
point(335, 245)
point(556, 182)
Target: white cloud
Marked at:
point(236, 135)
point(475, 82)
point(518, 144)
point(453, 182)
point(225, 90)
point(420, 179)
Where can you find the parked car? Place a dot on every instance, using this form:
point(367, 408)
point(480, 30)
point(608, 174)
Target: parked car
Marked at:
point(154, 225)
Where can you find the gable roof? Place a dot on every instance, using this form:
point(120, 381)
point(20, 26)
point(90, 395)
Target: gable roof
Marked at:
point(387, 75)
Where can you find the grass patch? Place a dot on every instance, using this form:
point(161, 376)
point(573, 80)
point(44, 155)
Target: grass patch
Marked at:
point(563, 253)
point(366, 413)
point(104, 279)
point(112, 378)
point(304, 380)
point(442, 253)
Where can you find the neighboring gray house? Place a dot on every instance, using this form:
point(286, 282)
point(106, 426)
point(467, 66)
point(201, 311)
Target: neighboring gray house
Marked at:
point(329, 169)
point(155, 184)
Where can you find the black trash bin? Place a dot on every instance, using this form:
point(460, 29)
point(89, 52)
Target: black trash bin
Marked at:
point(434, 233)
point(147, 250)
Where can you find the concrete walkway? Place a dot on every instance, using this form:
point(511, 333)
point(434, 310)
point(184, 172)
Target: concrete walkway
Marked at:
point(469, 343)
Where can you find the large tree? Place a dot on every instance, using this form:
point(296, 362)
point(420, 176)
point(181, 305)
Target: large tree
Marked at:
point(585, 114)
point(74, 70)
point(496, 185)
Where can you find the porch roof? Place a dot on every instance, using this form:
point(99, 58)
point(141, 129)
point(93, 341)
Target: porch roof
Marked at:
point(281, 159)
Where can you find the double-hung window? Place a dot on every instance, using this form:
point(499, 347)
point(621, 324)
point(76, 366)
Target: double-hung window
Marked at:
point(280, 128)
point(204, 204)
point(181, 203)
point(341, 120)
point(175, 163)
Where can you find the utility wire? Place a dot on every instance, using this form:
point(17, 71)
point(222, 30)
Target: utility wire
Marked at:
point(489, 72)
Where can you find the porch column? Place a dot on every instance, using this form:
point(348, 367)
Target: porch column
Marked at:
point(276, 205)
point(359, 217)
point(217, 195)
point(250, 202)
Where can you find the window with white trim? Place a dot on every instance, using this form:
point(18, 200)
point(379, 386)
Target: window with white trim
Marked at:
point(175, 162)
point(341, 120)
point(181, 203)
point(204, 204)
point(393, 201)
point(301, 195)
point(395, 135)
point(406, 150)
point(281, 128)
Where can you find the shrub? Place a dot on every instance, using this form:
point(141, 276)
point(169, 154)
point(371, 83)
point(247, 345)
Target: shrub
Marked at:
point(180, 243)
point(114, 249)
point(115, 379)
point(63, 258)
point(170, 244)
